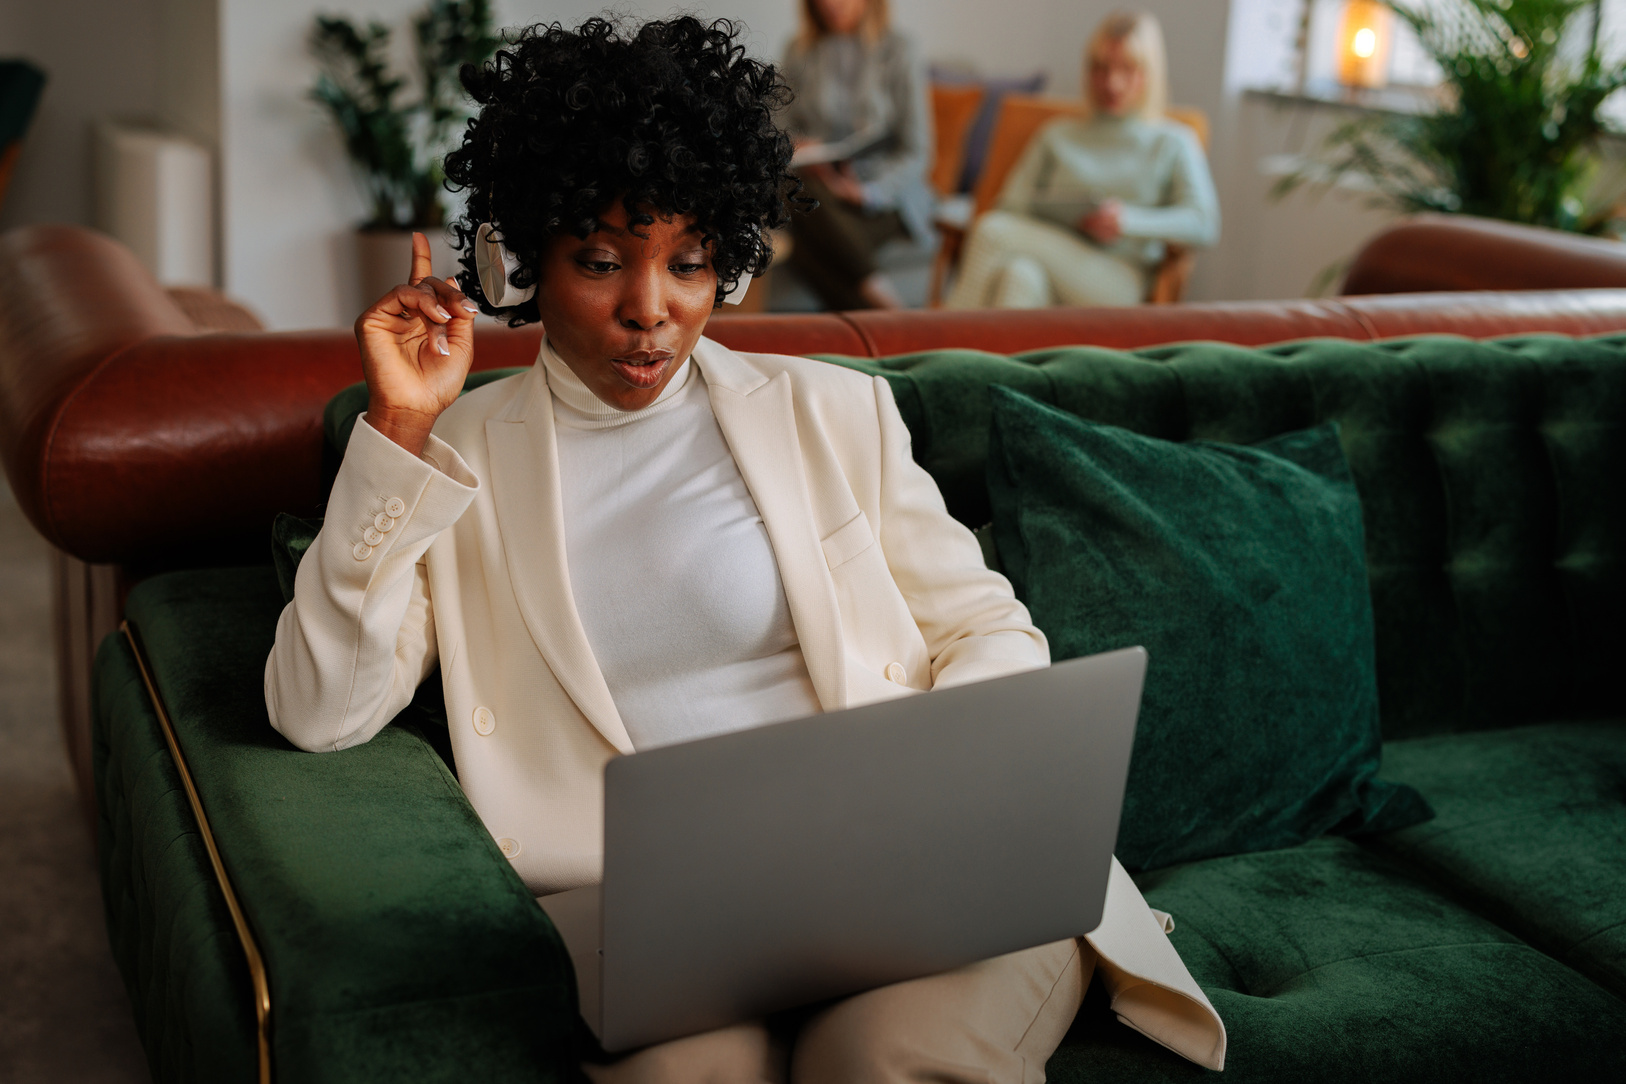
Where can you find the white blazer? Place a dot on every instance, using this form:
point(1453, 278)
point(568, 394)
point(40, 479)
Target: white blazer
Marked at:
point(457, 558)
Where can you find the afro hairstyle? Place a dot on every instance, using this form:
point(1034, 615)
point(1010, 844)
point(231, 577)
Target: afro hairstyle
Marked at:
point(670, 117)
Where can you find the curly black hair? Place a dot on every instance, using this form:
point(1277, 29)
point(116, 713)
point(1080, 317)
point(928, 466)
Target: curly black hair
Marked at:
point(671, 117)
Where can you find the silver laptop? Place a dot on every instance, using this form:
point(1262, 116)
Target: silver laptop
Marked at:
point(780, 866)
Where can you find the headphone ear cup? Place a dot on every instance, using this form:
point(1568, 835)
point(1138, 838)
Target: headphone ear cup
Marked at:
point(493, 263)
point(736, 292)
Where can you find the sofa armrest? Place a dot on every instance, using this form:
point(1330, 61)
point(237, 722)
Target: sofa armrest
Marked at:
point(69, 299)
point(396, 940)
point(1432, 252)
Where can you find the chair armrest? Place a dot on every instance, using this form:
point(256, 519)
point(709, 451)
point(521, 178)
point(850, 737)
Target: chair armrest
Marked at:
point(397, 941)
point(1170, 276)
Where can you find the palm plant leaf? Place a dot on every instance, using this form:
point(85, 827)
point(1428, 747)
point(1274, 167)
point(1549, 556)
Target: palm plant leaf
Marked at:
point(395, 146)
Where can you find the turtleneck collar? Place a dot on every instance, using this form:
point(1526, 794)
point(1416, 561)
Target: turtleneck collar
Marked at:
point(1128, 122)
point(576, 405)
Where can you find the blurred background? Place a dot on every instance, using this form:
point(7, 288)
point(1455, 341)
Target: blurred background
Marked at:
point(188, 127)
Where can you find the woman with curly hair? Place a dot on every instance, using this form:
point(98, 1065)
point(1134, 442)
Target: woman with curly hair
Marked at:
point(623, 547)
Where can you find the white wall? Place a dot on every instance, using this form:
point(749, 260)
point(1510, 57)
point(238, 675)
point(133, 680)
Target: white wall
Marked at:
point(1273, 248)
point(189, 89)
point(1284, 248)
point(288, 201)
point(1016, 38)
point(101, 59)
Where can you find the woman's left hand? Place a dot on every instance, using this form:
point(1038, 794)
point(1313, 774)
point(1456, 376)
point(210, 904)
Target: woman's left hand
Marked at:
point(1104, 224)
point(840, 180)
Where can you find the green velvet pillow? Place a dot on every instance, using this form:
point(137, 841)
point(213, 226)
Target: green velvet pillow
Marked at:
point(291, 536)
point(1242, 571)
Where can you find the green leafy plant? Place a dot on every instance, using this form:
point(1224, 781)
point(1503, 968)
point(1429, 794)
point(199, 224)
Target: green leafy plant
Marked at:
point(1516, 134)
point(395, 145)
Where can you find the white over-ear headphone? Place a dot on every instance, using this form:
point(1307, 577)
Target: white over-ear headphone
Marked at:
point(494, 264)
point(736, 292)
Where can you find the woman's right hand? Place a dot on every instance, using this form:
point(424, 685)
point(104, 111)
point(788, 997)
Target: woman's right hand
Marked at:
point(1104, 222)
point(417, 343)
point(840, 179)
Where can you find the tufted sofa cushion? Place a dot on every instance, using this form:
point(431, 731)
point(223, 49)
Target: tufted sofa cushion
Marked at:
point(1490, 475)
point(1333, 964)
point(1531, 831)
point(398, 941)
point(400, 945)
point(170, 932)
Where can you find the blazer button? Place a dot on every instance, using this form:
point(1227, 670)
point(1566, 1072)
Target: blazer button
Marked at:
point(371, 536)
point(510, 847)
point(896, 673)
point(484, 721)
point(361, 551)
point(395, 508)
point(383, 522)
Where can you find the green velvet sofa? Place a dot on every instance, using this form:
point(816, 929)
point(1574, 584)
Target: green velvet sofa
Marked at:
point(391, 941)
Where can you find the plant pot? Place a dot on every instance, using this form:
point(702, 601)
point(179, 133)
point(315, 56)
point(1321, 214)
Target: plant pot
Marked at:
point(384, 259)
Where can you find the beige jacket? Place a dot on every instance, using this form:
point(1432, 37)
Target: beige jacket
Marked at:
point(457, 558)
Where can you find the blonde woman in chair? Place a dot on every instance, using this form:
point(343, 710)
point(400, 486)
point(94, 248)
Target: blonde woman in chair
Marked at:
point(1095, 200)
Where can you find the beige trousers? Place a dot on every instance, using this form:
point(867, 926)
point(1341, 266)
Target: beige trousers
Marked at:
point(1013, 261)
point(994, 1022)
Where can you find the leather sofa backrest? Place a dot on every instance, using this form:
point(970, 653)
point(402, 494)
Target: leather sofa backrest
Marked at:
point(131, 440)
point(1492, 480)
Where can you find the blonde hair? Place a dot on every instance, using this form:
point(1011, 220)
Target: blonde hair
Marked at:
point(1142, 36)
point(877, 21)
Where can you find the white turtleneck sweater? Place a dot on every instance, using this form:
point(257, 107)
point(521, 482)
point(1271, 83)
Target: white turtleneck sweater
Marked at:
point(670, 565)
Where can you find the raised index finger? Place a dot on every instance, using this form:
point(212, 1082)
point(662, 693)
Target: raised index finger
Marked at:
point(421, 268)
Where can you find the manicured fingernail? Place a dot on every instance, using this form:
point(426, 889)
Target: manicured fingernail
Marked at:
point(442, 313)
point(471, 306)
point(443, 350)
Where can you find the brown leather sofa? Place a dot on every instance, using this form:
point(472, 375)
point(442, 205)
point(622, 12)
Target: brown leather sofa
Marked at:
point(136, 440)
point(1427, 253)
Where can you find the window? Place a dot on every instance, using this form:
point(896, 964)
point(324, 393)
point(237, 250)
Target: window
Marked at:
point(1293, 45)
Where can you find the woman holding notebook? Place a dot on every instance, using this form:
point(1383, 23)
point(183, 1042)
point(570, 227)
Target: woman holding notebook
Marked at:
point(862, 121)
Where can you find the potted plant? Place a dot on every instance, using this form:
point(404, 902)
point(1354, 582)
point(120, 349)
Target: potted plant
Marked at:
point(394, 144)
point(1516, 133)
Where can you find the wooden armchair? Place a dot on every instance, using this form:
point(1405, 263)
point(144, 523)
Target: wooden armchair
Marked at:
point(1020, 116)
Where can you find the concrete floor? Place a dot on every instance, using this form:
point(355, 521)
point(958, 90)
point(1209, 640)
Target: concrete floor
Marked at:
point(64, 1018)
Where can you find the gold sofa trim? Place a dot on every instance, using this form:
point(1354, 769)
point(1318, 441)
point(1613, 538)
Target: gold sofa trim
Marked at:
point(251, 951)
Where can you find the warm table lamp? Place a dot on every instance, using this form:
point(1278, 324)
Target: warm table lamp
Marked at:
point(1363, 44)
